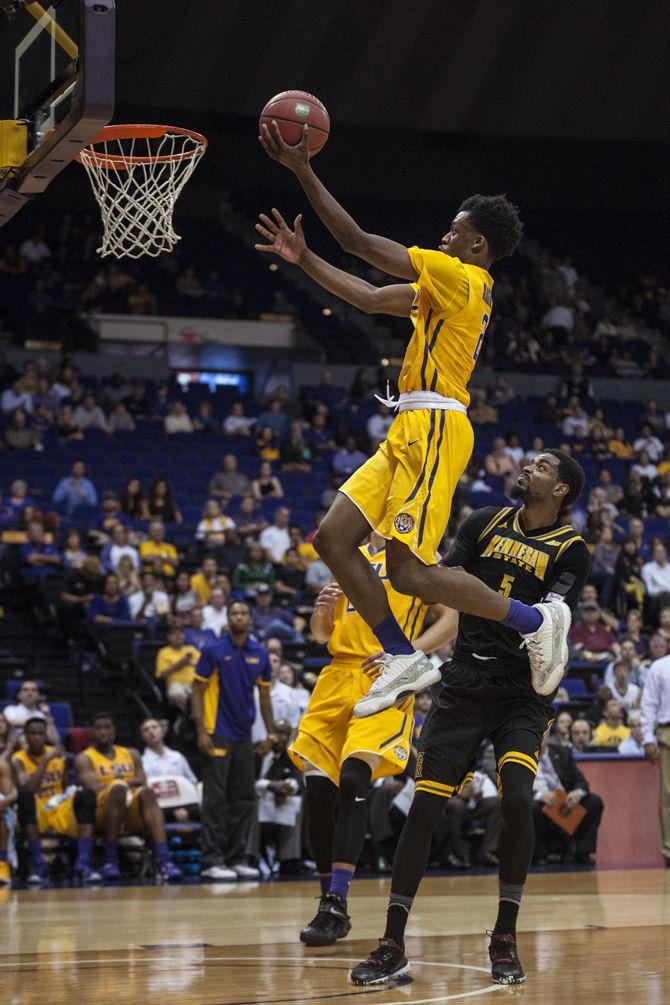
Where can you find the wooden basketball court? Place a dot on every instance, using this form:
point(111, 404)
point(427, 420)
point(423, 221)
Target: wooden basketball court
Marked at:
point(584, 937)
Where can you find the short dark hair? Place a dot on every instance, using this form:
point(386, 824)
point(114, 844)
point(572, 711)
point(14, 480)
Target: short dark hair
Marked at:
point(234, 603)
point(571, 473)
point(102, 715)
point(35, 718)
point(498, 220)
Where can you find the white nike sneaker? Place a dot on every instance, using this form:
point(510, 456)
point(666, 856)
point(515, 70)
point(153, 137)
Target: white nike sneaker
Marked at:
point(400, 677)
point(245, 871)
point(220, 873)
point(548, 646)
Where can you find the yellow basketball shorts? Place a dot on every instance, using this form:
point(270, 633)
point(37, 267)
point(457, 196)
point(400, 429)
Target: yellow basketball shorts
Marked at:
point(405, 489)
point(60, 819)
point(328, 733)
point(132, 821)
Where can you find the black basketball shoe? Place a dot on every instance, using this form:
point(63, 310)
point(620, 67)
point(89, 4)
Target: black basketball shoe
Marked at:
point(330, 923)
point(505, 964)
point(383, 964)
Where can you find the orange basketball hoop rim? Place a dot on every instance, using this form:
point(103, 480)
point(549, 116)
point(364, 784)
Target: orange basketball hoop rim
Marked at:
point(140, 131)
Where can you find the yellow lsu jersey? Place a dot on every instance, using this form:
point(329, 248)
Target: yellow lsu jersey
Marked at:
point(450, 313)
point(53, 783)
point(120, 768)
point(351, 636)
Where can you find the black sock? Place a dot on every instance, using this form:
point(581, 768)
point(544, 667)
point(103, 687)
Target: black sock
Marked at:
point(411, 859)
point(508, 909)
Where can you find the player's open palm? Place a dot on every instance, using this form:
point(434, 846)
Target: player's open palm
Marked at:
point(288, 244)
point(292, 157)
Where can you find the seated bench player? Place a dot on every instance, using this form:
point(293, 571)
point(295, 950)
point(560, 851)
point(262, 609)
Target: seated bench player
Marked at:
point(124, 801)
point(46, 804)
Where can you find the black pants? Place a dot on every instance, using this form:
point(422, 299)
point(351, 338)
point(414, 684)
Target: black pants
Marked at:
point(228, 801)
point(585, 837)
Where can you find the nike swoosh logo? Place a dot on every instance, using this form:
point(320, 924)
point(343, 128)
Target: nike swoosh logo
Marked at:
point(412, 442)
point(359, 799)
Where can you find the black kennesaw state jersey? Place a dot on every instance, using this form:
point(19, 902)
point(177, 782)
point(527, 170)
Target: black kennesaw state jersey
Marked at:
point(547, 563)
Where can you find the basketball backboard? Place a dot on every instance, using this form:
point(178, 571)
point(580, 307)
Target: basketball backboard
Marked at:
point(56, 90)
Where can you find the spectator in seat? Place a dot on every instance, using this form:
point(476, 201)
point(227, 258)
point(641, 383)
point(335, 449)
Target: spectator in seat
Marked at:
point(229, 482)
point(204, 421)
point(178, 420)
point(378, 425)
point(558, 772)
point(78, 589)
point(477, 801)
point(284, 699)
point(481, 412)
point(348, 458)
point(655, 710)
point(30, 704)
point(294, 451)
point(158, 547)
point(580, 735)
point(142, 301)
point(318, 576)
point(183, 598)
point(629, 658)
point(266, 485)
point(16, 397)
point(560, 734)
point(590, 638)
point(603, 567)
point(160, 404)
point(19, 435)
point(204, 580)
point(38, 556)
point(644, 467)
point(279, 788)
point(656, 576)
point(113, 552)
point(194, 633)
point(15, 503)
point(628, 570)
point(120, 419)
point(632, 746)
point(149, 603)
point(290, 580)
point(123, 799)
point(109, 607)
point(575, 419)
point(88, 415)
point(498, 462)
point(213, 527)
point(159, 760)
point(276, 539)
point(137, 402)
point(619, 446)
point(237, 423)
point(275, 418)
point(133, 500)
point(215, 613)
point(319, 436)
point(255, 572)
point(76, 490)
point(649, 442)
point(161, 505)
point(269, 621)
point(249, 518)
point(267, 443)
point(223, 710)
point(623, 690)
point(129, 579)
point(111, 515)
point(73, 553)
point(175, 667)
point(611, 731)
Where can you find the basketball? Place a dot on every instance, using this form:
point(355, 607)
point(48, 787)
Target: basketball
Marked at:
point(291, 110)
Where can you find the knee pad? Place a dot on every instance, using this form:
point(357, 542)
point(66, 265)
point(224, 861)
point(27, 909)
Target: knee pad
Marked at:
point(321, 793)
point(84, 806)
point(426, 810)
point(355, 779)
point(27, 808)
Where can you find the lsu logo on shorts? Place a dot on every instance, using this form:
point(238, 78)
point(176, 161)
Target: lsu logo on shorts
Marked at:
point(400, 753)
point(404, 523)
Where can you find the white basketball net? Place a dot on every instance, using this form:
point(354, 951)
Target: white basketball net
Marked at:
point(136, 183)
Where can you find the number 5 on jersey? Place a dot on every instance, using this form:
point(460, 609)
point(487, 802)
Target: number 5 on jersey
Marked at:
point(506, 586)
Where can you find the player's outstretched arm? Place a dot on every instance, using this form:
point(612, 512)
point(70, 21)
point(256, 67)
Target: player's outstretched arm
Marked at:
point(291, 246)
point(384, 254)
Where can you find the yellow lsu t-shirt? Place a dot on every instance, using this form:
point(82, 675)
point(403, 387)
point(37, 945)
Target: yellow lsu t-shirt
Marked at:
point(450, 313)
point(605, 736)
point(53, 780)
point(120, 768)
point(351, 636)
point(167, 656)
point(152, 549)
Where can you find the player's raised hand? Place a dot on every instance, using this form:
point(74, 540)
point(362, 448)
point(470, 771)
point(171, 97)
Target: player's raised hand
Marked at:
point(294, 158)
point(284, 242)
